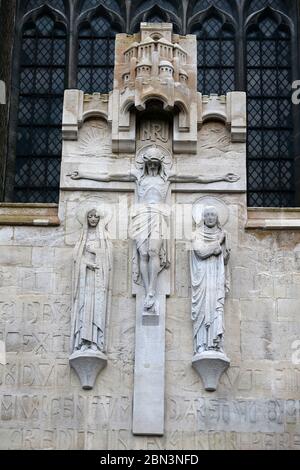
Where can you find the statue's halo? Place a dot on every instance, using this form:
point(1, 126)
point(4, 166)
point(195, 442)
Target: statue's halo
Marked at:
point(209, 201)
point(101, 206)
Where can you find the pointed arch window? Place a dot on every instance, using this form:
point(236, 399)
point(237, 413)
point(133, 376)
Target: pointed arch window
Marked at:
point(270, 123)
point(154, 11)
point(155, 18)
point(114, 5)
point(256, 5)
point(68, 44)
point(201, 5)
point(41, 88)
point(96, 53)
point(57, 4)
point(167, 5)
point(216, 55)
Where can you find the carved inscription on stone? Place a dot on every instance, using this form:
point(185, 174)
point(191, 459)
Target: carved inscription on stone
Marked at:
point(154, 131)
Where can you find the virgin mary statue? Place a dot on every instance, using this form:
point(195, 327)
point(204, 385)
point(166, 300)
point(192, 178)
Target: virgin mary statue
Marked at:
point(209, 257)
point(92, 268)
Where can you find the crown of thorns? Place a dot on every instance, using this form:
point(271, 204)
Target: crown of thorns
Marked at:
point(153, 155)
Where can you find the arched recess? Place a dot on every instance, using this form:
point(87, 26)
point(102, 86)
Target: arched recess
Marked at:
point(270, 114)
point(215, 32)
point(197, 6)
point(157, 12)
point(33, 4)
point(34, 174)
point(96, 49)
point(254, 6)
point(114, 5)
point(172, 6)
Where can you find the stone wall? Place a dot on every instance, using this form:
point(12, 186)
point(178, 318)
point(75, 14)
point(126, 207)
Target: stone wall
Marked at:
point(256, 406)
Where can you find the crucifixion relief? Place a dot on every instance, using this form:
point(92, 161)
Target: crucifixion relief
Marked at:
point(153, 180)
point(154, 114)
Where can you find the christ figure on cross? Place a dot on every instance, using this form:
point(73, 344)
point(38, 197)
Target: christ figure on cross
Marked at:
point(152, 183)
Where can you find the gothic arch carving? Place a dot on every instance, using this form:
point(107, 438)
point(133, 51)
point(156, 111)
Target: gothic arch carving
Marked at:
point(111, 5)
point(212, 11)
point(114, 18)
point(31, 5)
point(280, 18)
point(33, 15)
point(256, 6)
point(197, 6)
point(167, 16)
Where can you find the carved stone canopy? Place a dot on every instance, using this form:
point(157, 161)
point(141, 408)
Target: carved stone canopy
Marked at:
point(155, 65)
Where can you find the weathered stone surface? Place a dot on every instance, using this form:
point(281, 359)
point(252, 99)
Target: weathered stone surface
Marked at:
point(257, 402)
point(256, 405)
point(149, 373)
point(15, 256)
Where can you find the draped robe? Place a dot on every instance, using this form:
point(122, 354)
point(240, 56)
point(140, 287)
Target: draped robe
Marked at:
point(209, 284)
point(91, 289)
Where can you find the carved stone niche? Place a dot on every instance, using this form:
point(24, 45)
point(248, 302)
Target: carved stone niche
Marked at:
point(79, 107)
point(230, 109)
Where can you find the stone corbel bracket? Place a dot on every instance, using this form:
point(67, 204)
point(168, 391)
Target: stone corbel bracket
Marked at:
point(88, 366)
point(78, 107)
point(210, 366)
point(230, 109)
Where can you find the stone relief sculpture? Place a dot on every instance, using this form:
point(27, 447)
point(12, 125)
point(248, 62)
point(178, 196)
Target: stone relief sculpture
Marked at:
point(150, 221)
point(154, 107)
point(92, 271)
point(209, 258)
point(92, 268)
point(153, 177)
point(94, 139)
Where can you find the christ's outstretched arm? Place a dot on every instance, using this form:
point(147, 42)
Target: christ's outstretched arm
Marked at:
point(229, 178)
point(104, 177)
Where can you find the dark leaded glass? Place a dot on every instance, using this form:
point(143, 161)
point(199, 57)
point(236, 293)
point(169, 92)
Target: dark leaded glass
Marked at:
point(268, 77)
point(256, 5)
point(270, 135)
point(42, 83)
point(96, 53)
point(216, 57)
